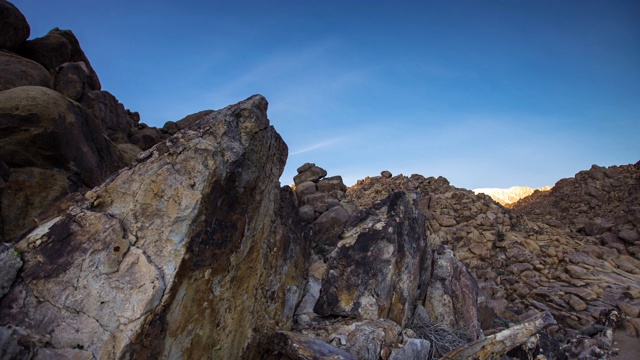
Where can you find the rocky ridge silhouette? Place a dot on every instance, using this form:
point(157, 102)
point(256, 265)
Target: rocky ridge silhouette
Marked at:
point(180, 243)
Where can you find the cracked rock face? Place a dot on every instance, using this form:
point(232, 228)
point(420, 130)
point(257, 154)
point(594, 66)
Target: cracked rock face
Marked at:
point(189, 254)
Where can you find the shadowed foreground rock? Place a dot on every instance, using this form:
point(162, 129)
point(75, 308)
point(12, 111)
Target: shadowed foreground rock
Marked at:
point(192, 253)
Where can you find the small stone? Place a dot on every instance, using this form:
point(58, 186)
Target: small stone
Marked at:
point(386, 174)
point(575, 302)
point(629, 236)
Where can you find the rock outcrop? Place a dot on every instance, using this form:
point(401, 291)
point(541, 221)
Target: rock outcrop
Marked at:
point(192, 253)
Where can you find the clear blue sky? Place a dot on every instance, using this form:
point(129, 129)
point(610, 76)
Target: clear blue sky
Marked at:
point(484, 93)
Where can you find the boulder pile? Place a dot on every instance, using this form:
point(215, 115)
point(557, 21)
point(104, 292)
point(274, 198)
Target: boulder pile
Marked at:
point(59, 131)
point(531, 260)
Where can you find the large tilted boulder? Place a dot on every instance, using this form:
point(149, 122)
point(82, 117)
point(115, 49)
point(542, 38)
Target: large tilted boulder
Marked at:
point(192, 253)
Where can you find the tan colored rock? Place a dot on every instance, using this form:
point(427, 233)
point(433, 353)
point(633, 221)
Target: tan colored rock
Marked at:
point(630, 310)
point(576, 303)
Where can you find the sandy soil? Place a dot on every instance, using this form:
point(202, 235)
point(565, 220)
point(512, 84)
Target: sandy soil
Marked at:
point(629, 346)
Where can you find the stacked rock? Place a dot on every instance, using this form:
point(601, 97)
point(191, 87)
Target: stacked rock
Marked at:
point(319, 202)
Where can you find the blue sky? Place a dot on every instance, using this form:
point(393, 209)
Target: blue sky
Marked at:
point(484, 93)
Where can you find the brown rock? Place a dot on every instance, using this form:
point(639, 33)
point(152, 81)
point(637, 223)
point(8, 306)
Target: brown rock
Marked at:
point(304, 167)
point(629, 236)
point(313, 173)
point(317, 200)
point(386, 174)
point(329, 225)
point(146, 138)
point(575, 302)
point(18, 71)
point(41, 128)
point(51, 50)
point(57, 48)
point(111, 113)
point(631, 310)
point(332, 183)
point(14, 29)
point(71, 79)
point(128, 153)
point(305, 188)
point(306, 213)
point(28, 192)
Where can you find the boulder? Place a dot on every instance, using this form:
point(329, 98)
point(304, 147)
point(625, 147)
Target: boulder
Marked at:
point(14, 28)
point(313, 173)
point(57, 48)
point(145, 138)
point(18, 71)
point(41, 128)
point(193, 253)
point(376, 268)
point(71, 79)
point(51, 50)
point(328, 227)
point(452, 295)
point(53, 146)
point(332, 183)
point(111, 113)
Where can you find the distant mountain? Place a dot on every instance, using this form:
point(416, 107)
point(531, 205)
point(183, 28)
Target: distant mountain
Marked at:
point(511, 195)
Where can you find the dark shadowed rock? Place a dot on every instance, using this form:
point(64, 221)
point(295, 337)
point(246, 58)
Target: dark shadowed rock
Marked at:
point(111, 113)
point(14, 29)
point(71, 80)
point(373, 272)
point(41, 128)
point(54, 146)
point(18, 71)
point(145, 138)
point(50, 51)
point(329, 225)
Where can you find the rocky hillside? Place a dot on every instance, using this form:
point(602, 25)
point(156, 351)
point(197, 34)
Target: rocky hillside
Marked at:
point(122, 241)
point(507, 197)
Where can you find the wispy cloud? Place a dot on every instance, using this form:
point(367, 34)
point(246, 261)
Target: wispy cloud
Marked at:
point(317, 146)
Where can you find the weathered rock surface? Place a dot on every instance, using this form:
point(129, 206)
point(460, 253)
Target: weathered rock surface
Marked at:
point(190, 254)
point(373, 272)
